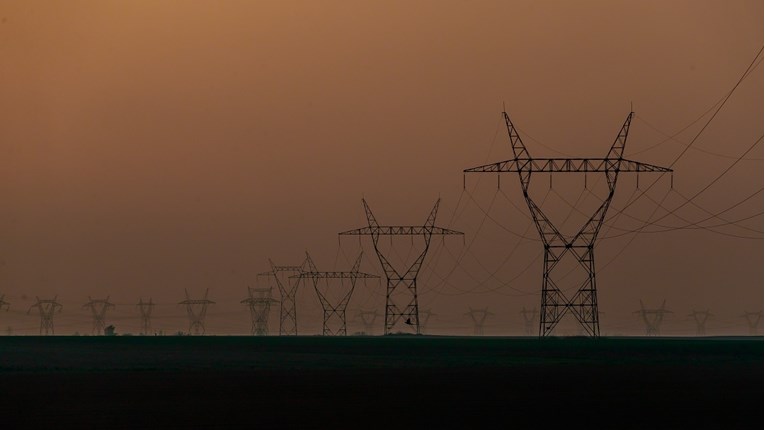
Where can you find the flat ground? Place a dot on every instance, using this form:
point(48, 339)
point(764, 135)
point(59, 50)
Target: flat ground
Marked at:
point(429, 382)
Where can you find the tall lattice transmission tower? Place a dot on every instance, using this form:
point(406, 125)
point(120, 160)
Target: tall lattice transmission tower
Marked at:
point(401, 306)
point(47, 308)
point(98, 310)
point(368, 319)
point(334, 303)
point(259, 302)
point(557, 245)
point(529, 320)
point(478, 316)
point(288, 284)
point(700, 318)
point(196, 309)
point(652, 318)
point(145, 308)
point(753, 321)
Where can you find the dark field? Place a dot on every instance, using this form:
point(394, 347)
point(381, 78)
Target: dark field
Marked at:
point(381, 382)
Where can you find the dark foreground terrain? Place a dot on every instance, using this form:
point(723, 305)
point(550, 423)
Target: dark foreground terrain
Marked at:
point(390, 382)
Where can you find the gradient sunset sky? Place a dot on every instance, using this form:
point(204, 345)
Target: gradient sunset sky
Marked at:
point(154, 146)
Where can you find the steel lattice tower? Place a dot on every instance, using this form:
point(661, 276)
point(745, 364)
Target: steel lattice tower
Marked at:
point(700, 318)
point(4, 304)
point(259, 302)
point(584, 303)
point(145, 308)
point(196, 310)
point(334, 311)
point(368, 319)
point(288, 287)
point(98, 310)
point(47, 308)
point(752, 320)
point(478, 316)
point(399, 309)
point(529, 318)
point(652, 318)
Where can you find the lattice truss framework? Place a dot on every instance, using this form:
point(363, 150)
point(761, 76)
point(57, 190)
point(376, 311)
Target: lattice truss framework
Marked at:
point(334, 305)
point(196, 309)
point(259, 302)
point(554, 303)
point(652, 318)
point(287, 283)
point(98, 308)
point(47, 308)
point(401, 305)
point(700, 318)
point(145, 308)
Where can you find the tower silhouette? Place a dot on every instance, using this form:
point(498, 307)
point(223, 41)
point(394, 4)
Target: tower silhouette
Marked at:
point(47, 308)
point(196, 311)
point(652, 318)
point(259, 302)
point(98, 310)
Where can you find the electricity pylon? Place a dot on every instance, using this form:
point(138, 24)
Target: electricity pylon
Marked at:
point(478, 316)
point(700, 317)
point(196, 310)
point(368, 319)
point(4, 304)
point(259, 304)
point(529, 318)
point(98, 310)
point(652, 318)
point(145, 308)
point(288, 287)
point(401, 307)
point(752, 320)
point(334, 323)
point(555, 304)
point(47, 308)
point(424, 318)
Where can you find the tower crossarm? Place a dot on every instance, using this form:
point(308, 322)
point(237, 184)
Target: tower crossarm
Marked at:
point(397, 230)
point(567, 165)
point(334, 275)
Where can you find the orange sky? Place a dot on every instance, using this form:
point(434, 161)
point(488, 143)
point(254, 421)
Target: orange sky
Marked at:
point(154, 146)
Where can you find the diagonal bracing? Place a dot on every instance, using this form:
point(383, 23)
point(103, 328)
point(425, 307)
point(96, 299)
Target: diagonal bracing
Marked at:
point(334, 305)
point(47, 308)
point(98, 308)
point(583, 303)
point(196, 309)
point(403, 307)
point(288, 284)
point(259, 302)
point(652, 318)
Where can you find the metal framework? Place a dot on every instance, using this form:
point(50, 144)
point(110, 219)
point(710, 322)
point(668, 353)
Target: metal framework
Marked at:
point(652, 318)
point(529, 318)
point(288, 287)
point(368, 319)
point(334, 323)
point(700, 317)
point(753, 320)
point(98, 310)
point(47, 308)
point(554, 303)
point(145, 308)
point(3, 303)
point(196, 310)
point(259, 303)
point(478, 316)
point(401, 309)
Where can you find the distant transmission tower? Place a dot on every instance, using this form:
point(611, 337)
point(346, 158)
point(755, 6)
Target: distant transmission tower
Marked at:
point(700, 317)
point(98, 310)
point(334, 309)
point(145, 308)
point(196, 310)
point(259, 304)
point(401, 293)
point(753, 321)
point(368, 319)
point(478, 316)
point(47, 308)
point(424, 318)
point(652, 318)
point(529, 319)
point(3, 303)
point(288, 287)
point(555, 304)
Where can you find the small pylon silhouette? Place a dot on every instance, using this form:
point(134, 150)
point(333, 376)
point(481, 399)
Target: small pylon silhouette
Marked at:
point(478, 316)
point(529, 320)
point(47, 308)
point(700, 317)
point(368, 319)
point(753, 320)
point(652, 318)
point(196, 310)
point(145, 308)
point(259, 303)
point(98, 310)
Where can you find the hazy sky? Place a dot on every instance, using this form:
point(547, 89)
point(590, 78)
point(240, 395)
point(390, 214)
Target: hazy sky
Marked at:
point(152, 146)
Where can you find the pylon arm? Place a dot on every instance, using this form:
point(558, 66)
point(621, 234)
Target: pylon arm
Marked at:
point(400, 230)
point(334, 275)
point(567, 165)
